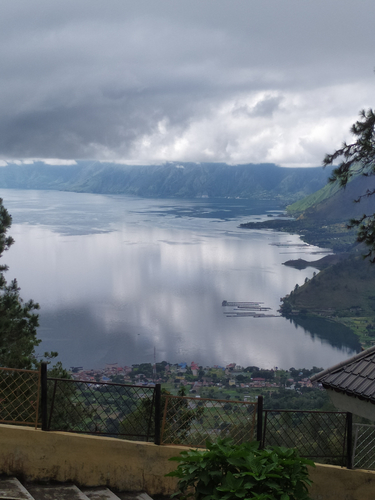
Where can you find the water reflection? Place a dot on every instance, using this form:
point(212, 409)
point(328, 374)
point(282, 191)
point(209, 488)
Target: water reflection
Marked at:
point(333, 333)
point(115, 279)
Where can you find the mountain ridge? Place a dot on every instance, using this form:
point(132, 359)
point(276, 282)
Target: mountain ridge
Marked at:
point(343, 290)
point(335, 204)
point(169, 180)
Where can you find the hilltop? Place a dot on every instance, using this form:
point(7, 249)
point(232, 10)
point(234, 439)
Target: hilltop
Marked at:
point(170, 180)
point(344, 289)
point(343, 292)
point(322, 217)
point(338, 290)
point(333, 204)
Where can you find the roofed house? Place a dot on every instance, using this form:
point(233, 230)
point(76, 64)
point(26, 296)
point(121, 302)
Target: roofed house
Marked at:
point(351, 384)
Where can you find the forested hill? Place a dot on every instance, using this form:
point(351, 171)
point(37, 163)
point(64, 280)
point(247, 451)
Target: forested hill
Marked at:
point(173, 179)
point(334, 204)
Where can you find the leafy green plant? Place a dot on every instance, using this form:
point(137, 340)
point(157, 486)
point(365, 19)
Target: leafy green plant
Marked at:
point(233, 472)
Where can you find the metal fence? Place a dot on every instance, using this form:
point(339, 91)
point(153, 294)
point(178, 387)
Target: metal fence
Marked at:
point(145, 413)
point(19, 396)
point(100, 408)
point(364, 446)
point(191, 421)
point(321, 436)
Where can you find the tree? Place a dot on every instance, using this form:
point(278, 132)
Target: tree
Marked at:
point(18, 321)
point(66, 407)
point(358, 158)
point(178, 419)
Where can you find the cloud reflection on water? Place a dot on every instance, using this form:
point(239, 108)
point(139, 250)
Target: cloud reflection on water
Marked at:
point(113, 297)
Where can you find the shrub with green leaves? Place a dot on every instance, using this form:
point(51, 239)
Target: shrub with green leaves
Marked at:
point(225, 471)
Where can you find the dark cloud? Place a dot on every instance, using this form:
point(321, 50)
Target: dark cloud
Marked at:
point(265, 107)
point(182, 80)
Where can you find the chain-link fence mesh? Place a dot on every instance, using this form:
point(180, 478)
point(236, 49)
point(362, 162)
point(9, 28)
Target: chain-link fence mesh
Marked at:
point(19, 396)
point(129, 411)
point(364, 446)
point(101, 408)
point(317, 435)
point(191, 421)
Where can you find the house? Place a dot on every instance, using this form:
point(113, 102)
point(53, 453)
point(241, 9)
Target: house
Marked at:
point(351, 384)
point(194, 368)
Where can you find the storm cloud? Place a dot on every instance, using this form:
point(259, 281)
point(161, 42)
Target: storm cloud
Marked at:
point(235, 81)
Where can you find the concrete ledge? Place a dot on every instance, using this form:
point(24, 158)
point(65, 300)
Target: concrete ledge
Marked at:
point(135, 466)
point(338, 483)
point(86, 460)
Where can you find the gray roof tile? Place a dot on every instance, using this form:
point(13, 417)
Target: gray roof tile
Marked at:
point(366, 370)
point(356, 376)
point(368, 389)
point(338, 379)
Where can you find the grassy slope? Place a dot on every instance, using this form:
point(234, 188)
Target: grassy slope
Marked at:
point(313, 199)
point(344, 292)
point(332, 205)
point(316, 201)
point(322, 217)
point(327, 235)
point(347, 284)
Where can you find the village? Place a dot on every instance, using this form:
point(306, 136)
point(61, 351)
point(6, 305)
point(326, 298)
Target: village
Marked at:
point(216, 382)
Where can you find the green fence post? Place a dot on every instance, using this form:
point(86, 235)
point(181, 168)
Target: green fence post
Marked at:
point(157, 413)
point(43, 386)
point(260, 420)
point(349, 438)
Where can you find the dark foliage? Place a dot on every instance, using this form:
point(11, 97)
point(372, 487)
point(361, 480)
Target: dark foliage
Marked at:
point(178, 420)
point(18, 321)
point(231, 472)
point(358, 158)
point(306, 399)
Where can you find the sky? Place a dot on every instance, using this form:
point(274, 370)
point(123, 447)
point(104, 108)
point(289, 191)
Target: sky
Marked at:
point(149, 81)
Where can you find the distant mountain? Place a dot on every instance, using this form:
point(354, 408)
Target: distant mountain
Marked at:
point(169, 180)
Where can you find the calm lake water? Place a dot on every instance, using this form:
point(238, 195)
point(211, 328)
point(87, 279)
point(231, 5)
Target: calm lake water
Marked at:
point(118, 277)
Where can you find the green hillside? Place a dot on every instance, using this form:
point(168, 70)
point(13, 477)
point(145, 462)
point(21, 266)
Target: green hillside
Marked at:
point(324, 234)
point(343, 292)
point(313, 199)
point(321, 218)
point(327, 192)
point(348, 286)
point(333, 204)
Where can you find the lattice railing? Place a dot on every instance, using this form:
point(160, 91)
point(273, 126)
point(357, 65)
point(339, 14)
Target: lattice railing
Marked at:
point(364, 446)
point(191, 421)
point(19, 396)
point(135, 412)
point(101, 408)
point(317, 435)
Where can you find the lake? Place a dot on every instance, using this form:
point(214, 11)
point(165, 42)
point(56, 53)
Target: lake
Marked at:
point(122, 279)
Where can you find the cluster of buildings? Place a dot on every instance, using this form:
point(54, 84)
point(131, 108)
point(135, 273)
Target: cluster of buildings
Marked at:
point(195, 376)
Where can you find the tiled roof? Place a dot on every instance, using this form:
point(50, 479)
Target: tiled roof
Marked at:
point(354, 377)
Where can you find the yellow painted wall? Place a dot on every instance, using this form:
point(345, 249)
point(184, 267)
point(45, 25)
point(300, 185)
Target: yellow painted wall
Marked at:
point(337, 483)
point(86, 460)
point(135, 466)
